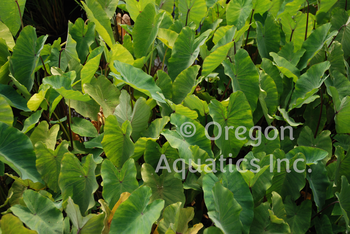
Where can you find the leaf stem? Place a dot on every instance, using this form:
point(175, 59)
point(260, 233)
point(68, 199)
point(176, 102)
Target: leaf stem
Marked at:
point(320, 115)
point(20, 14)
point(318, 213)
point(70, 129)
point(250, 22)
point(307, 19)
point(42, 61)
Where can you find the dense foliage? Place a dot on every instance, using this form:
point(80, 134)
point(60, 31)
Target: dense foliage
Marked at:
point(86, 121)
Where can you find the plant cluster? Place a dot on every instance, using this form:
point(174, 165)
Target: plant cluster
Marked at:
point(86, 120)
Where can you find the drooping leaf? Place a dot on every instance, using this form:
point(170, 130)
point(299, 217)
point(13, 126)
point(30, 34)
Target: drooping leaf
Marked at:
point(238, 113)
point(104, 93)
point(192, 11)
point(116, 141)
point(78, 181)
point(183, 84)
point(84, 35)
point(11, 224)
point(83, 127)
point(11, 12)
point(6, 115)
point(139, 80)
point(185, 51)
point(25, 56)
point(308, 84)
point(238, 12)
point(227, 210)
point(39, 214)
point(146, 29)
point(268, 36)
point(313, 44)
point(115, 182)
point(48, 162)
point(97, 15)
point(165, 186)
point(135, 215)
point(138, 117)
point(244, 76)
point(17, 151)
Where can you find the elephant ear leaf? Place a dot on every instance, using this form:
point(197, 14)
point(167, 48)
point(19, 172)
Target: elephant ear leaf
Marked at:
point(136, 214)
point(227, 210)
point(25, 56)
point(17, 151)
point(39, 214)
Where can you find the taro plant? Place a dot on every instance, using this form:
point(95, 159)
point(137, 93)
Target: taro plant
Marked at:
point(207, 117)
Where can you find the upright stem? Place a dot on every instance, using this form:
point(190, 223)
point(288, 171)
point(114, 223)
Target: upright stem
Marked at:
point(307, 19)
point(20, 14)
point(320, 116)
point(70, 129)
point(251, 18)
point(150, 61)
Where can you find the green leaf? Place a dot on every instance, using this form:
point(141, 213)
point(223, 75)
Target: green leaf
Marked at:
point(339, 18)
point(298, 217)
point(146, 29)
point(213, 60)
point(84, 35)
point(237, 113)
point(319, 182)
point(313, 44)
point(227, 210)
point(138, 117)
point(341, 116)
point(91, 223)
point(104, 93)
point(11, 224)
point(17, 151)
point(44, 134)
point(48, 162)
point(312, 155)
point(11, 13)
point(136, 214)
point(234, 181)
point(6, 115)
point(98, 16)
point(183, 84)
point(115, 182)
point(176, 218)
point(192, 11)
point(185, 51)
point(116, 141)
point(308, 84)
point(139, 80)
point(83, 127)
point(39, 214)
point(179, 140)
point(244, 76)
point(165, 187)
point(13, 98)
point(134, 7)
point(155, 128)
point(238, 12)
point(91, 66)
point(344, 200)
point(287, 181)
point(6, 35)
point(286, 67)
point(78, 181)
point(268, 36)
point(322, 141)
point(31, 121)
point(287, 118)
point(25, 56)
point(109, 6)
